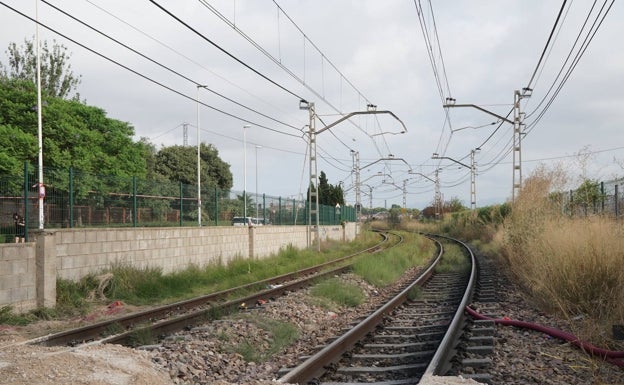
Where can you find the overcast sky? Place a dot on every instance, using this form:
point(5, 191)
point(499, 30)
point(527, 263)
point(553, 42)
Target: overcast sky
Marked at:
point(259, 57)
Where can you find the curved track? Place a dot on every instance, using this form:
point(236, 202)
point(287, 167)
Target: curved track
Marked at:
point(405, 338)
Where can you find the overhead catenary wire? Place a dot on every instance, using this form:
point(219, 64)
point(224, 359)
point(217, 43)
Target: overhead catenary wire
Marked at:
point(160, 84)
point(225, 51)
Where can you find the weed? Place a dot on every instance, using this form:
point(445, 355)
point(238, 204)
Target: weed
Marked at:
point(339, 293)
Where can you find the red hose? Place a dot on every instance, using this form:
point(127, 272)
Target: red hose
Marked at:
point(612, 356)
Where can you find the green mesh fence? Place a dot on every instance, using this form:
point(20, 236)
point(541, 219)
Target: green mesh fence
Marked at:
point(75, 199)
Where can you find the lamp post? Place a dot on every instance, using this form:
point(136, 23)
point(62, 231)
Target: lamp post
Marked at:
point(257, 205)
point(199, 202)
point(245, 127)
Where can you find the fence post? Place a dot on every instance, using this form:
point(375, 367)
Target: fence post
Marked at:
point(294, 213)
point(279, 210)
point(71, 197)
point(264, 208)
point(25, 202)
point(181, 203)
point(216, 213)
point(134, 202)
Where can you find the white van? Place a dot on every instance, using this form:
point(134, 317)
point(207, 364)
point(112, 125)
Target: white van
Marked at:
point(241, 221)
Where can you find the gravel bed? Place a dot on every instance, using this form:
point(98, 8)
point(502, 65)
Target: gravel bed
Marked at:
point(204, 355)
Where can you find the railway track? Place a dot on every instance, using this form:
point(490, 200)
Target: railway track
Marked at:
point(167, 319)
point(411, 336)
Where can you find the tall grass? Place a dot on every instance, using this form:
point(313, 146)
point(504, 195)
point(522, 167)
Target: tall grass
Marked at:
point(147, 286)
point(383, 268)
point(571, 265)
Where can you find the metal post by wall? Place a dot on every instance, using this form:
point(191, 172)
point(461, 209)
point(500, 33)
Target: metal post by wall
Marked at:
point(181, 203)
point(26, 184)
point(134, 202)
point(279, 210)
point(313, 185)
point(216, 214)
point(71, 197)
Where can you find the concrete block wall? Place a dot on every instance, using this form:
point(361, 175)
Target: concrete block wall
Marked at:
point(84, 251)
point(28, 271)
point(18, 276)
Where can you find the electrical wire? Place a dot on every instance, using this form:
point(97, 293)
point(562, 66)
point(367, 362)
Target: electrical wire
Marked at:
point(196, 83)
point(143, 75)
point(225, 51)
point(552, 31)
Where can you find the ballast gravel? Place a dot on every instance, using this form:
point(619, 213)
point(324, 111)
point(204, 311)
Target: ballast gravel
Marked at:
point(206, 354)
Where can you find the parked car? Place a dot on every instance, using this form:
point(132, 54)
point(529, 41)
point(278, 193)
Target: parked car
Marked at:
point(242, 221)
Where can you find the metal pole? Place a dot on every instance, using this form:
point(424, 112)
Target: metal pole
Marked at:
point(41, 188)
point(473, 186)
point(245, 170)
point(257, 208)
point(199, 203)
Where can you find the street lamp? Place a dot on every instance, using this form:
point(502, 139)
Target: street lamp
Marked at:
point(199, 202)
point(257, 208)
point(245, 127)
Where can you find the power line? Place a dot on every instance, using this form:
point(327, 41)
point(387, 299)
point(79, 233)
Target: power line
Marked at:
point(225, 51)
point(552, 31)
point(196, 83)
point(145, 76)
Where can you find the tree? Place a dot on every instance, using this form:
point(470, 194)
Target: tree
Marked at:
point(179, 164)
point(74, 135)
point(329, 194)
point(57, 78)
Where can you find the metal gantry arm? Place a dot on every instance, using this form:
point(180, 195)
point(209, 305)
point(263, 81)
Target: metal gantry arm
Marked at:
point(313, 133)
point(473, 173)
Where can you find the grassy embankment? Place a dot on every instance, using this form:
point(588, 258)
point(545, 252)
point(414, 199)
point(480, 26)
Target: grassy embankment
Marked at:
point(570, 265)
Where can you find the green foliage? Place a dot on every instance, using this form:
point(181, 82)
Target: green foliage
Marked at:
point(383, 268)
point(179, 164)
point(453, 260)
point(280, 334)
point(7, 317)
point(76, 135)
point(72, 297)
point(339, 293)
point(57, 78)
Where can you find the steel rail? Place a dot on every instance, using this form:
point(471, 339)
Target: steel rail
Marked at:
point(96, 330)
point(315, 365)
point(445, 349)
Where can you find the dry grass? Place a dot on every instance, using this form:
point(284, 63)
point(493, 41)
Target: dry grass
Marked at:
point(572, 265)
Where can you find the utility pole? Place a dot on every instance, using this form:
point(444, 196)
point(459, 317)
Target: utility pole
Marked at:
point(473, 177)
point(312, 134)
point(517, 133)
point(438, 196)
point(517, 141)
point(358, 197)
point(313, 200)
point(185, 134)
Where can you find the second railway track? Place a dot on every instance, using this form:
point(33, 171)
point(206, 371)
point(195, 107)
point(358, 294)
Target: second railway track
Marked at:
point(167, 319)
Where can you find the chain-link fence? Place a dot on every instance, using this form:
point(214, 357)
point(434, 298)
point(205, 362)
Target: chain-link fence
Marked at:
point(75, 199)
point(600, 198)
